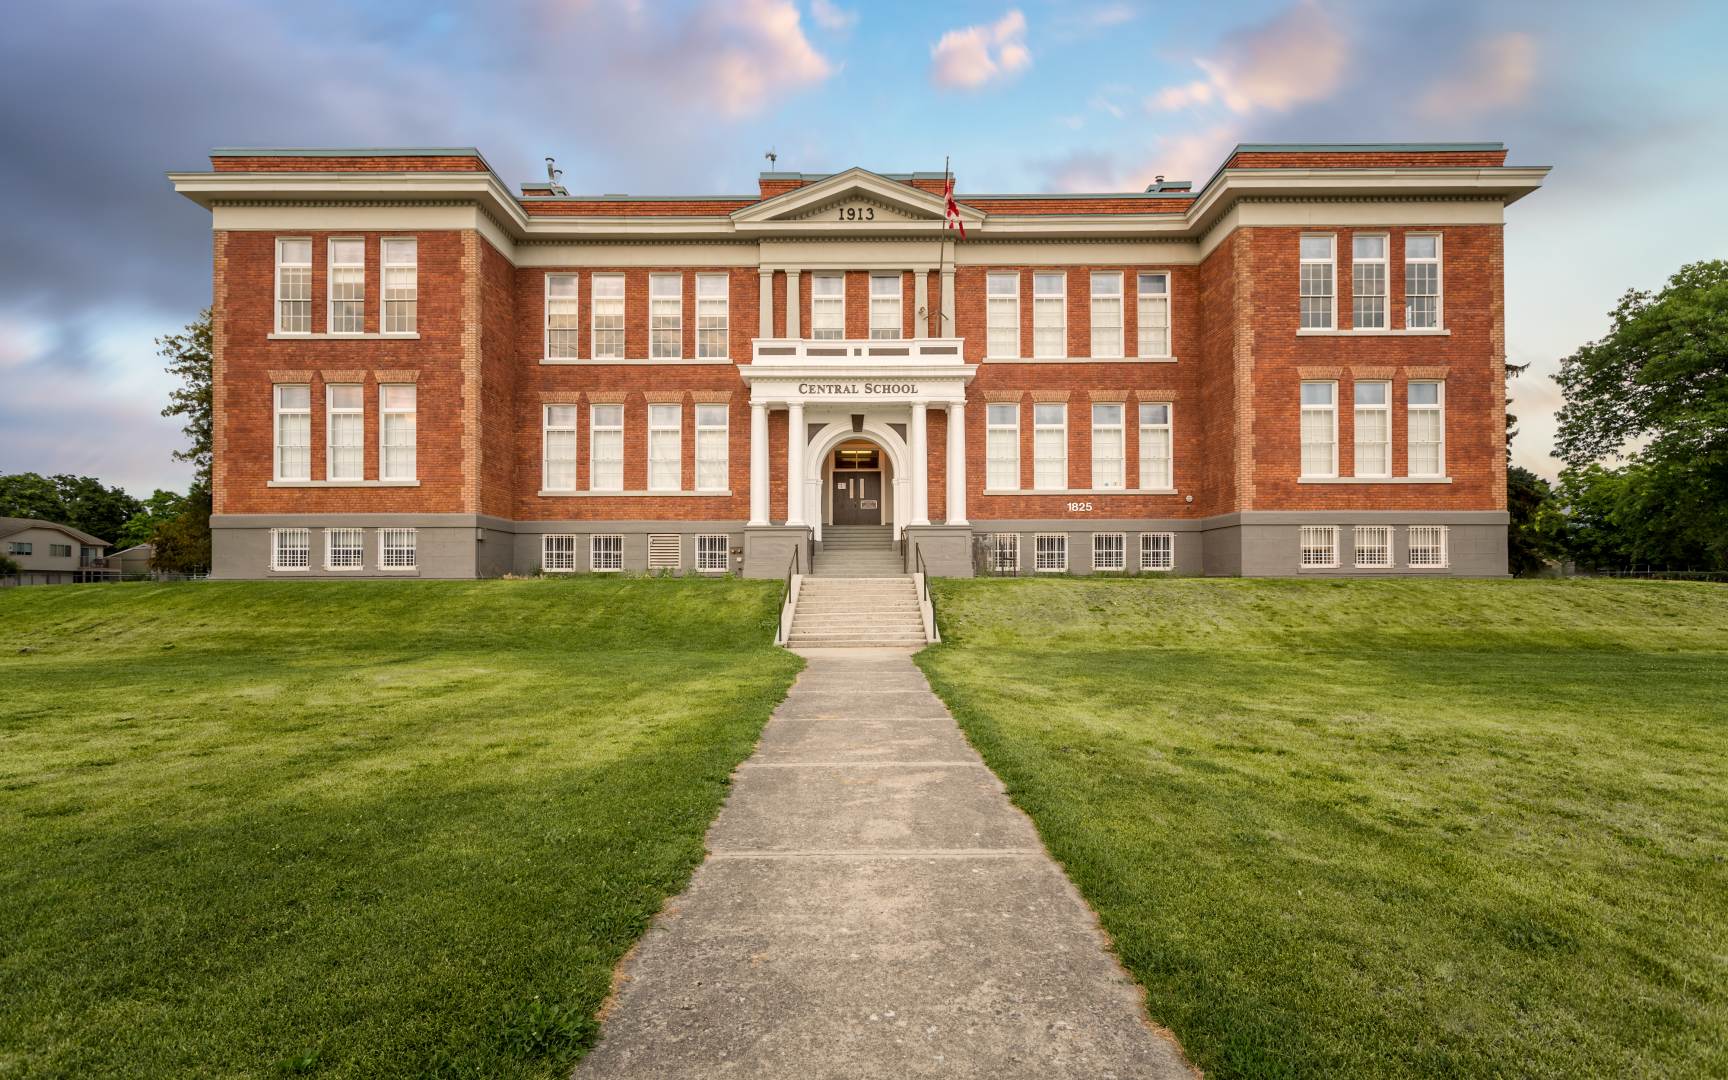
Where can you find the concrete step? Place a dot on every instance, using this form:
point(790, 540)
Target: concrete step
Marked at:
point(876, 641)
point(841, 622)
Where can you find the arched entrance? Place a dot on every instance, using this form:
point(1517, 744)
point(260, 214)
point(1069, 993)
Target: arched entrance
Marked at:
point(891, 459)
point(858, 480)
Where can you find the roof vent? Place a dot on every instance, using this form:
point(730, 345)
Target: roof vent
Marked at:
point(1159, 184)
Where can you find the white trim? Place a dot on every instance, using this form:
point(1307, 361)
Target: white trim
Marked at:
point(899, 327)
point(276, 290)
point(1373, 333)
point(633, 494)
point(341, 483)
point(1331, 262)
point(1169, 429)
point(384, 268)
point(276, 535)
point(1081, 491)
point(724, 430)
point(330, 298)
point(1121, 550)
point(1062, 306)
point(278, 336)
point(1147, 562)
point(725, 298)
point(546, 553)
point(992, 428)
point(1169, 299)
point(593, 550)
point(1439, 261)
point(793, 303)
point(1410, 411)
point(636, 361)
point(654, 279)
point(1036, 427)
point(1374, 480)
point(330, 549)
point(1036, 554)
point(1079, 360)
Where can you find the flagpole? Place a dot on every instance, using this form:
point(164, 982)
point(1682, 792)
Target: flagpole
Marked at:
point(942, 256)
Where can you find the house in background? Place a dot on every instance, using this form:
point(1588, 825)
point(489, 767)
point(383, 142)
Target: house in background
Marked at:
point(133, 562)
point(50, 554)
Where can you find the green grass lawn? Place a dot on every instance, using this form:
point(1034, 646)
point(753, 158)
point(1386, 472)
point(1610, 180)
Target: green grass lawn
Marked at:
point(1379, 828)
point(358, 828)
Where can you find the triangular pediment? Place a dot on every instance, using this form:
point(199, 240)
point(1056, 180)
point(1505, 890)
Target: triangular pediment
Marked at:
point(854, 197)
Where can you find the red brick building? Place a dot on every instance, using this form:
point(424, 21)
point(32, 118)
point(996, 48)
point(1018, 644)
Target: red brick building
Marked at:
point(1294, 367)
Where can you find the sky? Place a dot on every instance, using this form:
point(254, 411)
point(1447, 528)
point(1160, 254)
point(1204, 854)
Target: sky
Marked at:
point(98, 256)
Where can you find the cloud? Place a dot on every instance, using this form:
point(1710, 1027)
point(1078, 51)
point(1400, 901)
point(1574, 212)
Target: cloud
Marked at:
point(972, 56)
point(1498, 75)
point(831, 17)
point(1104, 105)
point(763, 52)
point(1296, 57)
point(1182, 156)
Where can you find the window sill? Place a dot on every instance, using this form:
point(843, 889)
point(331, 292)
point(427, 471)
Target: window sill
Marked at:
point(1079, 360)
point(342, 337)
point(341, 483)
point(1060, 492)
point(398, 569)
point(1374, 333)
point(612, 361)
point(1374, 480)
point(634, 494)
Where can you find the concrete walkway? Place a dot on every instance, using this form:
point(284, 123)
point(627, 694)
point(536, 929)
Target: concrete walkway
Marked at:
point(873, 906)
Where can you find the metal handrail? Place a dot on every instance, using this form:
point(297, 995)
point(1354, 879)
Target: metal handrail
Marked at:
point(793, 567)
point(923, 571)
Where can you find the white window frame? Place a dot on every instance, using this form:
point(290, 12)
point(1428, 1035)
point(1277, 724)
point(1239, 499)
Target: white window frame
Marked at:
point(594, 430)
point(1440, 545)
point(831, 305)
point(1154, 301)
point(1106, 477)
point(558, 553)
point(713, 316)
point(713, 443)
point(995, 434)
point(880, 303)
point(1384, 411)
point(354, 541)
point(1002, 315)
point(281, 325)
point(1360, 263)
point(1038, 483)
point(1044, 302)
point(398, 555)
point(302, 562)
point(1306, 287)
point(1153, 560)
point(614, 556)
point(1318, 547)
point(1050, 553)
point(331, 266)
point(1438, 409)
point(706, 562)
point(1000, 545)
point(1151, 477)
point(385, 413)
point(615, 309)
point(548, 414)
point(1111, 346)
point(279, 411)
point(1371, 547)
point(331, 412)
point(563, 309)
point(664, 434)
point(407, 279)
point(1113, 546)
point(1439, 263)
point(1303, 443)
point(665, 317)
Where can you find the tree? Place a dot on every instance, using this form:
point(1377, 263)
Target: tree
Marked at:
point(191, 359)
point(8, 566)
point(182, 542)
point(83, 502)
point(31, 495)
point(1533, 537)
point(160, 507)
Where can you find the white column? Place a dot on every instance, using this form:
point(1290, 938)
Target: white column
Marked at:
point(921, 302)
point(957, 463)
point(793, 330)
point(765, 293)
point(795, 463)
point(758, 463)
point(920, 467)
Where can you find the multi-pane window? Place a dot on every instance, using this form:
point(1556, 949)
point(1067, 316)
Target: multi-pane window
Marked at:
point(20, 547)
point(1157, 551)
point(557, 553)
point(290, 549)
point(606, 299)
point(1368, 281)
point(1108, 446)
point(344, 549)
point(397, 549)
point(62, 551)
point(1002, 447)
point(1153, 315)
point(1428, 545)
point(606, 448)
point(665, 316)
point(1319, 545)
point(827, 307)
point(711, 458)
point(347, 286)
point(665, 439)
point(1049, 447)
point(1427, 426)
point(1049, 315)
point(1156, 446)
point(605, 554)
point(563, 322)
point(1003, 553)
point(713, 553)
point(1319, 429)
point(396, 412)
point(1109, 551)
point(346, 423)
point(1106, 314)
point(1002, 304)
point(1316, 272)
point(1373, 545)
point(293, 432)
point(712, 316)
point(1050, 553)
point(1373, 429)
point(293, 286)
point(1422, 282)
point(885, 306)
point(399, 258)
point(558, 439)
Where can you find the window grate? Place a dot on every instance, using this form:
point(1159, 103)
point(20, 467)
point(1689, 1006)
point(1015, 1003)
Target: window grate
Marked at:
point(1004, 553)
point(713, 553)
point(345, 549)
point(665, 551)
point(558, 553)
point(1109, 551)
point(1050, 553)
point(290, 549)
point(605, 554)
point(1319, 546)
point(1428, 546)
point(1373, 544)
point(1157, 551)
point(397, 548)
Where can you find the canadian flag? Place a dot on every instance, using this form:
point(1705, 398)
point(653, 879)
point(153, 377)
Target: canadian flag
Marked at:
point(951, 210)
